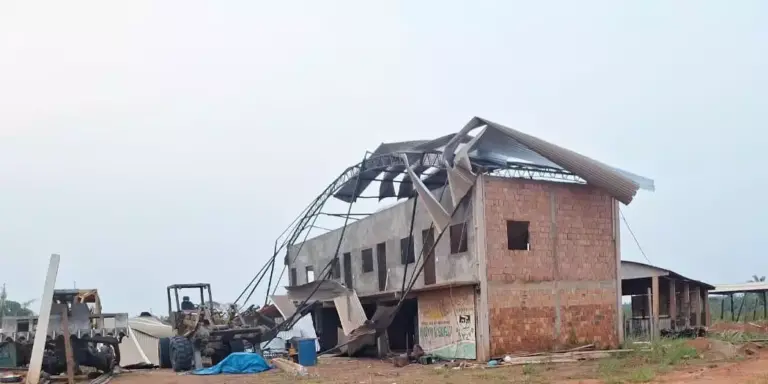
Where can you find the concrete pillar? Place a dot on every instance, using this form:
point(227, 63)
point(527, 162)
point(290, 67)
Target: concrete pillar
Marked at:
point(672, 303)
point(655, 311)
point(686, 304)
point(41, 333)
point(482, 328)
point(617, 249)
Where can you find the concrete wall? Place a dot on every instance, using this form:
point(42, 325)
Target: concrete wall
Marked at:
point(563, 290)
point(447, 320)
point(389, 226)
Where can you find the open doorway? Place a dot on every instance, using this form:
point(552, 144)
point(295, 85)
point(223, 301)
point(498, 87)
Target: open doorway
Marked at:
point(403, 332)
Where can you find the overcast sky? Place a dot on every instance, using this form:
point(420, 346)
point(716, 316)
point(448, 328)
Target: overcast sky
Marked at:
point(156, 142)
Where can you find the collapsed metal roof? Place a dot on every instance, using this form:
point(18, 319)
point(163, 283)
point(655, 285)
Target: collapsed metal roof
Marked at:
point(495, 149)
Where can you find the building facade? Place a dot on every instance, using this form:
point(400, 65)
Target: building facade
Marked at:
point(525, 265)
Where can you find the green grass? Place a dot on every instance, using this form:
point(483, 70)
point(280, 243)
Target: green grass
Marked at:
point(643, 364)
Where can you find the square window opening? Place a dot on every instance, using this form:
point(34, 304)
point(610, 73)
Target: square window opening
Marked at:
point(518, 235)
point(367, 260)
point(336, 269)
point(407, 253)
point(458, 235)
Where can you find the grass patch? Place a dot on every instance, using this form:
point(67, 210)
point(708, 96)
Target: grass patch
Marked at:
point(643, 364)
point(529, 369)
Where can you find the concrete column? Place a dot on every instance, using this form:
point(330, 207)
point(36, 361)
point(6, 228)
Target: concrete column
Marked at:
point(672, 304)
point(655, 310)
point(46, 301)
point(696, 296)
point(483, 327)
point(617, 249)
point(687, 304)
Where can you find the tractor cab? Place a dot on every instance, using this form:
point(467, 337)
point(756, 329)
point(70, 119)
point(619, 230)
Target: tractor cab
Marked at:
point(187, 307)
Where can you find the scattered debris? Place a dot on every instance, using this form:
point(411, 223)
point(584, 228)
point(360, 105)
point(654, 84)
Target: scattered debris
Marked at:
point(290, 367)
point(400, 360)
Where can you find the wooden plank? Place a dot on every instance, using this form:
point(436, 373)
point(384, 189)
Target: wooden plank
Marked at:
point(38, 345)
point(655, 297)
point(673, 303)
point(652, 333)
point(707, 315)
point(68, 345)
point(687, 304)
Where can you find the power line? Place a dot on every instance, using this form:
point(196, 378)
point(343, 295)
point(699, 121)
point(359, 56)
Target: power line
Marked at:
point(634, 237)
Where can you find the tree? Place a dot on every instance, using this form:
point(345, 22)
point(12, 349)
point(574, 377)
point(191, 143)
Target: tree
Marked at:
point(760, 298)
point(14, 308)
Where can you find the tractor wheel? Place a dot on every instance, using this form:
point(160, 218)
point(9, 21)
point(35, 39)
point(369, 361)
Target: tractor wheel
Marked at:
point(181, 353)
point(164, 352)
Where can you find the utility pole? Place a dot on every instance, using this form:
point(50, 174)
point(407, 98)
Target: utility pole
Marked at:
point(3, 295)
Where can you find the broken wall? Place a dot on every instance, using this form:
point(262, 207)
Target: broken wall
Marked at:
point(562, 290)
point(389, 226)
point(447, 323)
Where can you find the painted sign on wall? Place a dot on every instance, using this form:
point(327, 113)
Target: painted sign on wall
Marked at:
point(447, 323)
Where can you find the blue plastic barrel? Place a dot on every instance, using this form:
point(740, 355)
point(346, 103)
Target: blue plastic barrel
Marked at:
point(307, 352)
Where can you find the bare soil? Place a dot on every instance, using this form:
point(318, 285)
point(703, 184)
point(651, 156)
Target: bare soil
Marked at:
point(747, 369)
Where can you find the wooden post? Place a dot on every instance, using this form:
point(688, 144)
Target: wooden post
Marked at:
point(765, 305)
point(651, 327)
point(672, 303)
point(687, 304)
point(733, 313)
point(707, 315)
point(68, 345)
point(38, 345)
point(697, 305)
point(722, 309)
point(655, 311)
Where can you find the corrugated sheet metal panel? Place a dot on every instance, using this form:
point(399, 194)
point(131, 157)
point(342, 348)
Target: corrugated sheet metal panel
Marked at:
point(738, 288)
point(151, 326)
point(600, 175)
point(130, 351)
point(148, 344)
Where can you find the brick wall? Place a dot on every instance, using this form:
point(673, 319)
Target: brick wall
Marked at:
point(563, 290)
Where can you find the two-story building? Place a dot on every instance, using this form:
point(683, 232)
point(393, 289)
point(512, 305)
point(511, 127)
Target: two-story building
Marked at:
point(529, 260)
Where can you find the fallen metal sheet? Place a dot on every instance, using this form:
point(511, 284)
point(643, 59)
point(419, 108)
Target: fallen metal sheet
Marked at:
point(439, 216)
point(327, 291)
point(284, 305)
point(383, 317)
point(351, 312)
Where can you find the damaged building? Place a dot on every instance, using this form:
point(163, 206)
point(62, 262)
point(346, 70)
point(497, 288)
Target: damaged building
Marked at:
point(512, 242)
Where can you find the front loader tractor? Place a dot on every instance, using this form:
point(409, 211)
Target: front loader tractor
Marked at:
point(204, 333)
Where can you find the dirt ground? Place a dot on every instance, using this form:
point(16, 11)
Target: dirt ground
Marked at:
point(747, 369)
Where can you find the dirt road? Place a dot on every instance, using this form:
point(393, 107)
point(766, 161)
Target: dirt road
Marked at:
point(750, 370)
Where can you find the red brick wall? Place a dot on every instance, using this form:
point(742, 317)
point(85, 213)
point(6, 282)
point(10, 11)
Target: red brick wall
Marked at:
point(525, 287)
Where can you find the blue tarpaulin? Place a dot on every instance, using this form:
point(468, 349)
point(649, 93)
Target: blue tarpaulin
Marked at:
point(237, 363)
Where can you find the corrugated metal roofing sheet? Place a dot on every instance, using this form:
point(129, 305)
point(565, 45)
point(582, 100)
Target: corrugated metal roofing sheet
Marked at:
point(499, 144)
point(739, 288)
